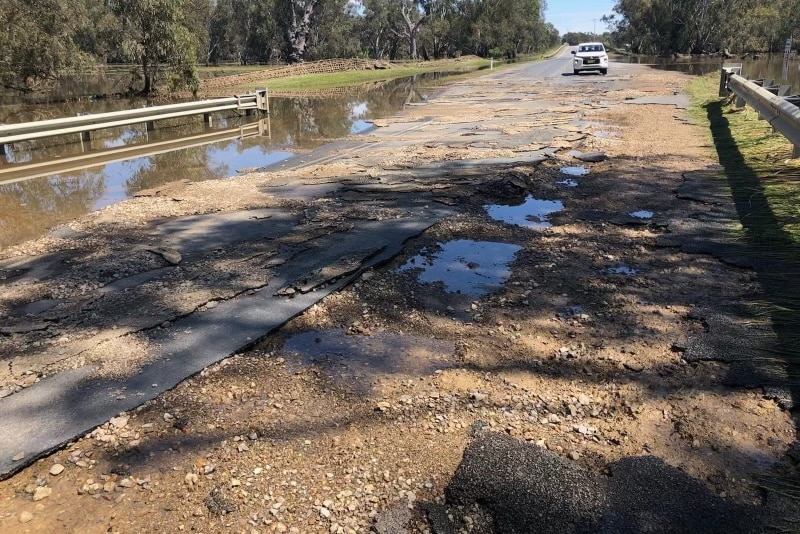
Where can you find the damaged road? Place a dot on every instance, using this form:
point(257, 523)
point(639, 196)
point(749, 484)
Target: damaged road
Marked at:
point(381, 308)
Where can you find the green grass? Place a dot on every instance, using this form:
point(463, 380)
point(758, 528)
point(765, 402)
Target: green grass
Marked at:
point(312, 82)
point(764, 155)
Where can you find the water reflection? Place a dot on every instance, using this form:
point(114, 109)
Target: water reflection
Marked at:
point(464, 266)
point(764, 67)
point(531, 213)
point(46, 182)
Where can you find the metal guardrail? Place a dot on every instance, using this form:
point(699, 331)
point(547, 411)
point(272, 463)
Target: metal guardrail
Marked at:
point(83, 124)
point(29, 170)
point(772, 102)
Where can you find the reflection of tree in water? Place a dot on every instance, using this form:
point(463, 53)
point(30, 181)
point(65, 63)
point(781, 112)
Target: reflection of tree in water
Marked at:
point(28, 209)
point(187, 164)
point(299, 120)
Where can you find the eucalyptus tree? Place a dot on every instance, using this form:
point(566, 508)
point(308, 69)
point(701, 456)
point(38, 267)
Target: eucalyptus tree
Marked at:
point(37, 45)
point(412, 16)
point(156, 36)
point(375, 27)
point(333, 33)
point(297, 19)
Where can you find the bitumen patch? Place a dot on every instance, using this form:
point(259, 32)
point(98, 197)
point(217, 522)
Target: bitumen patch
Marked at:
point(529, 489)
point(680, 101)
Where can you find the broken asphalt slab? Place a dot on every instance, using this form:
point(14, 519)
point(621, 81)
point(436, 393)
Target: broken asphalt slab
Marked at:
point(47, 415)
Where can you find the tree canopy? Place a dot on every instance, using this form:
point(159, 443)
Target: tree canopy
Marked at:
point(702, 26)
point(44, 39)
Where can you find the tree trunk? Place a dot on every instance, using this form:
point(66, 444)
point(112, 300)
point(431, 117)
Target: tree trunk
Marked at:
point(297, 32)
point(148, 78)
point(412, 29)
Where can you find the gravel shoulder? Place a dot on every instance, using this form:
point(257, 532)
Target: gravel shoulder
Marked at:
point(357, 411)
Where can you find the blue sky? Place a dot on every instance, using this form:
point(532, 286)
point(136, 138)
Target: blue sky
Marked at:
point(577, 15)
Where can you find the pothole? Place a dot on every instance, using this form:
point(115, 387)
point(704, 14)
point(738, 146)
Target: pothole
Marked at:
point(642, 214)
point(622, 269)
point(532, 213)
point(574, 171)
point(464, 266)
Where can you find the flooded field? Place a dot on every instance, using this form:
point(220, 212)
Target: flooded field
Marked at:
point(46, 182)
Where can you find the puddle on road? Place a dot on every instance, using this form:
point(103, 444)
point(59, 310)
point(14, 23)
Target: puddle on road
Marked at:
point(622, 269)
point(359, 362)
point(533, 213)
point(568, 183)
point(464, 266)
point(642, 214)
point(574, 171)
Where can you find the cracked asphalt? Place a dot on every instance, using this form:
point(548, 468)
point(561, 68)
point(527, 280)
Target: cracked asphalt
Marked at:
point(178, 310)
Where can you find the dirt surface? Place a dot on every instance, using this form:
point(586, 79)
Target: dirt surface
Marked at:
point(359, 409)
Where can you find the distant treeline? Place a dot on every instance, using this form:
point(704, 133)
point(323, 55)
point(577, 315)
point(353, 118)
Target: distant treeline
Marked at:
point(43, 39)
point(703, 26)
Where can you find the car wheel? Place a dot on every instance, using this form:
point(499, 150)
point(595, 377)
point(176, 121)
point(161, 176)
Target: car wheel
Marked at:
point(575, 72)
point(603, 71)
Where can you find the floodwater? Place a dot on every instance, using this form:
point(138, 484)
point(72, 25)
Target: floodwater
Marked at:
point(765, 66)
point(464, 266)
point(44, 183)
point(360, 362)
point(532, 213)
point(568, 183)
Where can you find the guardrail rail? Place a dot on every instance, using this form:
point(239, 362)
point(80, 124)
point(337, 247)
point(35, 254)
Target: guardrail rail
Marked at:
point(772, 102)
point(85, 124)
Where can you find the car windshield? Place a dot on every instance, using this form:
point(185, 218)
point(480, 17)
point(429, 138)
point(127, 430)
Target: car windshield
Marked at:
point(591, 48)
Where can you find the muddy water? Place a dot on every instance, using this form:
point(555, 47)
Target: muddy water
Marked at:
point(464, 266)
point(532, 213)
point(34, 199)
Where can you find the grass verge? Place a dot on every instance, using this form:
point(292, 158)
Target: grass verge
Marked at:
point(739, 136)
point(764, 184)
point(321, 82)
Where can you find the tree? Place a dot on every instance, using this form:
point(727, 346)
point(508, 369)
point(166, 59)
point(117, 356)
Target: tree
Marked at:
point(37, 45)
point(298, 26)
point(156, 37)
point(376, 27)
point(412, 19)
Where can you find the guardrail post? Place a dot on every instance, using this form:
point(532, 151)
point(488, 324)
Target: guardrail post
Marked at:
point(723, 82)
point(150, 126)
point(725, 75)
point(207, 118)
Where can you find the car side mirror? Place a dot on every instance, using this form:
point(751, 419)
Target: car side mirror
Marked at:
point(573, 52)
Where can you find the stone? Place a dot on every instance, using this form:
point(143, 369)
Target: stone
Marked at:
point(324, 512)
point(56, 469)
point(42, 493)
point(634, 366)
point(19, 456)
point(25, 517)
point(119, 422)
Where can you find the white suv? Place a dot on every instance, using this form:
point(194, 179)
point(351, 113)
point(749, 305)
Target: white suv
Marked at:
point(590, 56)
